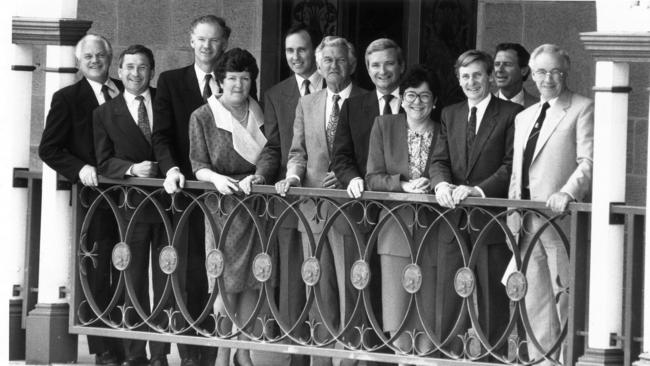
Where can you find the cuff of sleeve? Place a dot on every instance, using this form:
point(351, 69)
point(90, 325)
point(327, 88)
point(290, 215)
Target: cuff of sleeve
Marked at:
point(172, 169)
point(294, 176)
point(570, 195)
point(441, 184)
point(129, 171)
point(480, 191)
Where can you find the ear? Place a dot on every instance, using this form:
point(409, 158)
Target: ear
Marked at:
point(525, 70)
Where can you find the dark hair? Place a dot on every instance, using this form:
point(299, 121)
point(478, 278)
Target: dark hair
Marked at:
point(523, 57)
point(135, 49)
point(416, 75)
point(237, 60)
point(211, 19)
point(471, 56)
point(315, 35)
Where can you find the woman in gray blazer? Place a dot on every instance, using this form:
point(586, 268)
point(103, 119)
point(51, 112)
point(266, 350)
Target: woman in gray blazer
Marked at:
point(398, 157)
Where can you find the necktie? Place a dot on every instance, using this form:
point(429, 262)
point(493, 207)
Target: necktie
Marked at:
point(529, 150)
point(471, 132)
point(207, 91)
point(143, 119)
point(107, 95)
point(330, 130)
point(387, 109)
point(305, 85)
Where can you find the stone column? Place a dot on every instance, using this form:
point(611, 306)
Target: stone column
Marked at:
point(48, 339)
point(613, 52)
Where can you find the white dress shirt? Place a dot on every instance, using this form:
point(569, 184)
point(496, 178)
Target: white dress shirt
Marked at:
point(518, 98)
point(394, 103)
point(200, 78)
point(134, 105)
point(113, 91)
point(315, 83)
point(329, 103)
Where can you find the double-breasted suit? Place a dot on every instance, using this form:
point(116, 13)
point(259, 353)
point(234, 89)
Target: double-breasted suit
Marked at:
point(488, 167)
point(67, 146)
point(562, 162)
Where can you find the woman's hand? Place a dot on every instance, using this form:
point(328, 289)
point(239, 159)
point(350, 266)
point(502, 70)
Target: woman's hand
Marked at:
point(419, 185)
point(246, 184)
point(224, 184)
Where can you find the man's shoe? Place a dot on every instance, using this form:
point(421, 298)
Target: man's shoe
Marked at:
point(159, 361)
point(189, 362)
point(106, 358)
point(137, 361)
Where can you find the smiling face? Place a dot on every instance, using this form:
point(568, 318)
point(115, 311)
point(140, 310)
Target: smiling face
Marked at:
point(335, 67)
point(549, 74)
point(507, 74)
point(94, 61)
point(475, 81)
point(300, 54)
point(418, 109)
point(385, 70)
point(135, 73)
point(236, 87)
point(208, 42)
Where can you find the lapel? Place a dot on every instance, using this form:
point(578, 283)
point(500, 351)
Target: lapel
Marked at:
point(193, 93)
point(484, 131)
point(457, 132)
point(86, 95)
point(129, 126)
point(290, 89)
point(316, 117)
point(371, 105)
point(400, 128)
point(554, 116)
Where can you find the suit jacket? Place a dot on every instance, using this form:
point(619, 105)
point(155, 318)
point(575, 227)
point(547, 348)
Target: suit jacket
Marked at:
point(352, 135)
point(309, 157)
point(563, 157)
point(178, 95)
point(67, 141)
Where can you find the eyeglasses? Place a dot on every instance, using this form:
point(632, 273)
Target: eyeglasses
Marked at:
point(425, 97)
point(541, 73)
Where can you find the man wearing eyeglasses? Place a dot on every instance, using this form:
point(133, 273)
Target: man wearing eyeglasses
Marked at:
point(473, 158)
point(510, 71)
point(553, 158)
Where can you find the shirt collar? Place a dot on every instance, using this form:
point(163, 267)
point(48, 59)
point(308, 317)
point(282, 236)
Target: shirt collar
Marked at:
point(200, 74)
point(97, 87)
point(344, 94)
point(395, 93)
point(550, 102)
point(315, 80)
point(518, 98)
point(130, 98)
point(482, 105)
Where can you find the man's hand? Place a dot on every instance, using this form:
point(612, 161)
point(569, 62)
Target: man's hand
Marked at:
point(145, 169)
point(444, 195)
point(174, 181)
point(88, 176)
point(246, 184)
point(283, 186)
point(462, 192)
point(224, 184)
point(419, 185)
point(558, 201)
point(330, 180)
point(355, 187)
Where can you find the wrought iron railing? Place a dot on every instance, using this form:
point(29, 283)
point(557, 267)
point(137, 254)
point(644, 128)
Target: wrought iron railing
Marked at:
point(418, 220)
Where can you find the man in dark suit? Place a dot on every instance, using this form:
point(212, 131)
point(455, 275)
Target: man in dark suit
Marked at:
point(473, 158)
point(510, 71)
point(122, 134)
point(180, 92)
point(385, 65)
point(67, 147)
point(279, 112)
point(309, 165)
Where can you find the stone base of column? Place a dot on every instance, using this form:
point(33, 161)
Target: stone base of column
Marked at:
point(16, 331)
point(644, 360)
point(48, 339)
point(601, 357)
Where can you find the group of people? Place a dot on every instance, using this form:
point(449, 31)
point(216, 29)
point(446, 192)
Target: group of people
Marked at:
point(318, 129)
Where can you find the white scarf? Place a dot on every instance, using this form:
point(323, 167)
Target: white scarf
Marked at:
point(249, 141)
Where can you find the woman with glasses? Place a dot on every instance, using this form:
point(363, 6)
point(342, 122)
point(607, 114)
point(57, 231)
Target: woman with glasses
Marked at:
point(398, 160)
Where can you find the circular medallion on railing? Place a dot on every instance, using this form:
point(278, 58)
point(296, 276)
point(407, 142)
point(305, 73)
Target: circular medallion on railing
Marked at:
point(360, 274)
point(412, 278)
point(168, 259)
point(310, 271)
point(262, 267)
point(473, 346)
point(214, 263)
point(464, 282)
point(121, 256)
point(516, 286)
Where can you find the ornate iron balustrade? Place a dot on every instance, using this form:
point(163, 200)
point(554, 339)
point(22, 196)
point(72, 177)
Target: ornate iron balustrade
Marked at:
point(360, 335)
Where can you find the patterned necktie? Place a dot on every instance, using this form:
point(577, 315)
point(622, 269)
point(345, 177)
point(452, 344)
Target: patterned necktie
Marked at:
point(305, 85)
point(143, 119)
point(107, 95)
point(387, 108)
point(471, 132)
point(207, 91)
point(529, 150)
point(330, 130)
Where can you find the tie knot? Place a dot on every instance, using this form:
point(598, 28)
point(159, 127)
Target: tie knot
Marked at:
point(105, 88)
point(388, 97)
point(139, 98)
point(306, 83)
point(472, 112)
point(545, 106)
point(335, 98)
point(207, 78)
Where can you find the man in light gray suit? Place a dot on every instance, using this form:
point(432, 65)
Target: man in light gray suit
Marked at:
point(308, 165)
point(553, 152)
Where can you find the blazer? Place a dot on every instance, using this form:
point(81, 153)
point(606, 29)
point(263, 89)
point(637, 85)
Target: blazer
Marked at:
point(563, 156)
point(178, 95)
point(67, 141)
point(352, 135)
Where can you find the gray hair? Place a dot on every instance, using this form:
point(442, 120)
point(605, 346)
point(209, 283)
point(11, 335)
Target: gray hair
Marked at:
point(552, 49)
point(334, 41)
point(93, 37)
point(382, 44)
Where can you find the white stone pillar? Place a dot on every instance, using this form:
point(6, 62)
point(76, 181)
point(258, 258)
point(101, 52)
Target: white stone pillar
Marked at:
point(606, 263)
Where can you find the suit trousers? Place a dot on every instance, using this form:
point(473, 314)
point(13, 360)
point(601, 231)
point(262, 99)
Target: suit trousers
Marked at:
point(547, 275)
point(145, 244)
